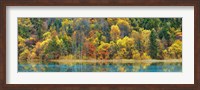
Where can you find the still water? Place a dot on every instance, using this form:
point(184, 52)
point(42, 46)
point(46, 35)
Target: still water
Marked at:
point(100, 67)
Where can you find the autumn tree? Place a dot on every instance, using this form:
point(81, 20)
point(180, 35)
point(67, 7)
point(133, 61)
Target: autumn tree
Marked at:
point(175, 50)
point(103, 53)
point(81, 29)
point(67, 44)
point(124, 26)
point(99, 38)
point(115, 32)
point(145, 40)
point(67, 26)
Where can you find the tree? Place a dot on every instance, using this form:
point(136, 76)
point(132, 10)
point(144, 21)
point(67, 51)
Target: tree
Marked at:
point(67, 26)
point(99, 38)
point(67, 44)
point(124, 27)
point(115, 32)
point(113, 50)
point(144, 40)
point(153, 47)
point(24, 27)
point(54, 48)
point(90, 51)
point(145, 56)
point(103, 52)
point(24, 55)
point(150, 23)
point(81, 29)
point(137, 37)
point(21, 44)
point(136, 55)
point(164, 35)
point(125, 46)
point(175, 50)
point(37, 25)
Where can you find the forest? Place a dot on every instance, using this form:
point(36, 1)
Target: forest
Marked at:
point(99, 38)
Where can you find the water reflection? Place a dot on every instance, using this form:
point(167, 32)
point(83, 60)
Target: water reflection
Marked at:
point(100, 67)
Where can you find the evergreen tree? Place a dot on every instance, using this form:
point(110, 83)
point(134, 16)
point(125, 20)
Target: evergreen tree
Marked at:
point(37, 24)
point(153, 45)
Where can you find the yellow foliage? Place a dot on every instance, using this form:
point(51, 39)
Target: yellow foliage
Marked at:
point(24, 55)
point(125, 42)
point(129, 42)
point(121, 43)
point(21, 41)
point(115, 32)
point(165, 54)
point(68, 57)
point(112, 43)
point(32, 39)
point(37, 45)
point(103, 50)
point(123, 22)
point(33, 55)
point(92, 26)
point(65, 22)
point(122, 69)
point(136, 55)
point(95, 41)
point(145, 41)
point(92, 37)
point(47, 35)
point(160, 44)
point(175, 50)
point(21, 45)
point(179, 34)
point(104, 46)
point(111, 21)
point(59, 41)
point(24, 22)
point(34, 50)
point(66, 37)
point(122, 53)
point(135, 35)
point(145, 56)
point(54, 33)
point(103, 38)
point(145, 33)
point(45, 42)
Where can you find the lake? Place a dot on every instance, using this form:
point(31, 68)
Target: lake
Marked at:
point(54, 66)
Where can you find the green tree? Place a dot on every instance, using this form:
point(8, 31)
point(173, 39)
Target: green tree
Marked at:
point(37, 25)
point(153, 45)
point(54, 48)
point(24, 27)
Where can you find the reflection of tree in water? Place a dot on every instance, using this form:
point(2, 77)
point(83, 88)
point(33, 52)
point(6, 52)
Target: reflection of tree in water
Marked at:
point(168, 67)
point(99, 67)
point(165, 67)
point(140, 65)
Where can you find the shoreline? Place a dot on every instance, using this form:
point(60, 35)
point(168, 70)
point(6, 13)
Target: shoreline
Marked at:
point(116, 61)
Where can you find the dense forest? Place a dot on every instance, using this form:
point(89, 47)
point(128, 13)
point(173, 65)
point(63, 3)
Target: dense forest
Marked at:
point(99, 38)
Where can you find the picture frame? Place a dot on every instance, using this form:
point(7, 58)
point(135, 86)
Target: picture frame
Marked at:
point(5, 3)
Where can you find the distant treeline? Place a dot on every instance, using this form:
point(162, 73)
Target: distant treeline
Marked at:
point(99, 38)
